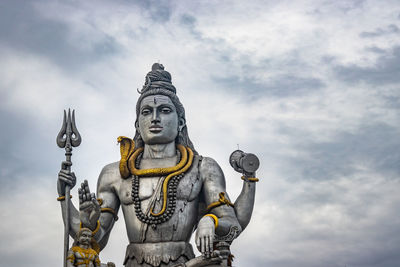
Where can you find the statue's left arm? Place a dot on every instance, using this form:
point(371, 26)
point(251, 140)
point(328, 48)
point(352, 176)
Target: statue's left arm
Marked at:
point(220, 210)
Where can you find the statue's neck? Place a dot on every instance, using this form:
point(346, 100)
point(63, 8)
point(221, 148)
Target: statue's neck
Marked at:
point(159, 151)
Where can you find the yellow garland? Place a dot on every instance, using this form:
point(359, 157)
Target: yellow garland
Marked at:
point(156, 171)
point(251, 179)
point(88, 255)
point(221, 201)
point(165, 183)
point(214, 217)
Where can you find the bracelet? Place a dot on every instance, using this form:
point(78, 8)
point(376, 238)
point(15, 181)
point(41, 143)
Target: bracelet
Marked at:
point(251, 179)
point(61, 198)
point(95, 230)
point(214, 217)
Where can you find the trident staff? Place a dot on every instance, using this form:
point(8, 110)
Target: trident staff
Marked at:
point(67, 138)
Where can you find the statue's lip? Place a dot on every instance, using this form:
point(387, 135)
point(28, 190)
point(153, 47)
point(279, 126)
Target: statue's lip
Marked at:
point(155, 128)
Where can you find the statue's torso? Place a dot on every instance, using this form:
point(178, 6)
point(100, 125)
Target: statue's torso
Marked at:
point(180, 226)
point(85, 257)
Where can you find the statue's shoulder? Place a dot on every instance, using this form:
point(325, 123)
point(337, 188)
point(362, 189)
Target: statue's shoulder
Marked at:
point(210, 170)
point(110, 174)
point(208, 163)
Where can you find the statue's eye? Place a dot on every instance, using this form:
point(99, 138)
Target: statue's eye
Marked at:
point(146, 111)
point(166, 110)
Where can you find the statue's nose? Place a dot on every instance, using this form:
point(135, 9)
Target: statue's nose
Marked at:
point(155, 118)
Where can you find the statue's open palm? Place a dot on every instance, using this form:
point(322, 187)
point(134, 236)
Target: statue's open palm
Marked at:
point(89, 208)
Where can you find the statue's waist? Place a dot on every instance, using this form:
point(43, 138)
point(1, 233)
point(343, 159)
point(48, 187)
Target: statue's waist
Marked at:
point(155, 253)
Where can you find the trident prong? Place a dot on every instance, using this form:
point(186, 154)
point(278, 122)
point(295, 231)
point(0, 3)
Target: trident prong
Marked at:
point(68, 135)
point(76, 137)
point(67, 138)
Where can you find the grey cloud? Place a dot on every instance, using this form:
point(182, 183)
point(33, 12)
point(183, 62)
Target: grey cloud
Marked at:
point(376, 50)
point(347, 6)
point(279, 86)
point(288, 83)
point(385, 71)
point(159, 11)
point(23, 147)
point(190, 23)
point(376, 146)
point(390, 29)
point(188, 20)
point(23, 28)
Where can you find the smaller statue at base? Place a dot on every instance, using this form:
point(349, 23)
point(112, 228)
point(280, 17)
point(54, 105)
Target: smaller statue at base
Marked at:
point(83, 254)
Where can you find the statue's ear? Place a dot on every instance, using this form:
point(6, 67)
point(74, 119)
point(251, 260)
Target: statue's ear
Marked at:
point(137, 125)
point(182, 123)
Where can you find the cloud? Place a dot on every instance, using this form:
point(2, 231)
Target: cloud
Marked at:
point(374, 146)
point(390, 29)
point(385, 71)
point(310, 87)
point(33, 33)
point(281, 86)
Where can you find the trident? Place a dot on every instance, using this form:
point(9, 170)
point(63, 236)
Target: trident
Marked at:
point(67, 138)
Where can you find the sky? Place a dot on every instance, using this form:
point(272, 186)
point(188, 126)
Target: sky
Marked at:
point(311, 87)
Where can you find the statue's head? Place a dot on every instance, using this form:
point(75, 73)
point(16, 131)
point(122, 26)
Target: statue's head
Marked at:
point(160, 116)
point(84, 237)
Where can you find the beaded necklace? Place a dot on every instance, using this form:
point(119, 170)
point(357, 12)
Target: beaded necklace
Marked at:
point(170, 186)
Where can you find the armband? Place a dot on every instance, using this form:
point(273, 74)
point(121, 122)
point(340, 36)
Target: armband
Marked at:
point(110, 210)
point(62, 198)
point(251, 179)
point(221, 201)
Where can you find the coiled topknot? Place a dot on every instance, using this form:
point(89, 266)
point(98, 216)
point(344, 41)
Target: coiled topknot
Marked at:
point(158, 78)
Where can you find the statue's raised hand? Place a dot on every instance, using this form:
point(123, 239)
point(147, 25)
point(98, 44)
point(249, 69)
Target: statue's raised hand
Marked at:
point(205, 236)
point(89, 208)
point(65, 177)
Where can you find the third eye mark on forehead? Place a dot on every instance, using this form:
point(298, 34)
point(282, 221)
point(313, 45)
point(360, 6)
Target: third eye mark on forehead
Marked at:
point(156, 100)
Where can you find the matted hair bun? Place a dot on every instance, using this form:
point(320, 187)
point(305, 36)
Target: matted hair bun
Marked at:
point(158, 78)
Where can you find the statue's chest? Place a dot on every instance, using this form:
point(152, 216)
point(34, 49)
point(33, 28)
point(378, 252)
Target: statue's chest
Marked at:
point(84, 259)
point(188, 188)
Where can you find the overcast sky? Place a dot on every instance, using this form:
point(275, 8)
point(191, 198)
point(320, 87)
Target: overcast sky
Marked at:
point(311, 87)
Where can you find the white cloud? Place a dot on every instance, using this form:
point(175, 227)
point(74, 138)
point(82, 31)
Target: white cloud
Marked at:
point(231, 63)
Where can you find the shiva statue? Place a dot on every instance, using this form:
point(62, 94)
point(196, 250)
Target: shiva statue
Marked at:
point(166, 190)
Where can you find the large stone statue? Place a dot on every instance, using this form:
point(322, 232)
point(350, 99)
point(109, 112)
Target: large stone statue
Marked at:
point(164, 188)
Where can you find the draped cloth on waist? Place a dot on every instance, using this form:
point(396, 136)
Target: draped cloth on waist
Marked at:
point(157, 253)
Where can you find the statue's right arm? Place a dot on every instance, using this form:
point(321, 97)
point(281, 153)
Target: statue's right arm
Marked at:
point(107, 181)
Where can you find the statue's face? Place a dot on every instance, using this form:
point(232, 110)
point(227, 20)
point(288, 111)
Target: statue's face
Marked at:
point(158, 120)
point(85, 237)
